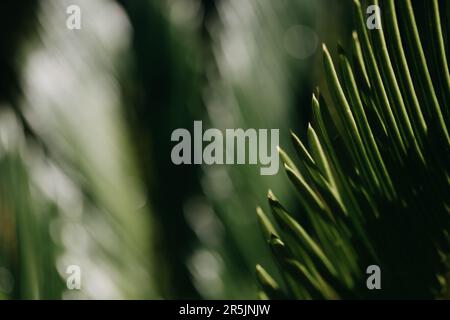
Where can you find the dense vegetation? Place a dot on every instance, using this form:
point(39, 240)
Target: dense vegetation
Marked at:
point(373, 176)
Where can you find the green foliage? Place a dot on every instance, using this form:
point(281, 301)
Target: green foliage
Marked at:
point(373, 177)
point(69, 187)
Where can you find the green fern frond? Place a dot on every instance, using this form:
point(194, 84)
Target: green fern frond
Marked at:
point(373, 177)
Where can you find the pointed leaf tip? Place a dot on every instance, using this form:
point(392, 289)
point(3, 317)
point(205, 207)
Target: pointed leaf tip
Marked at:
point(266, 225)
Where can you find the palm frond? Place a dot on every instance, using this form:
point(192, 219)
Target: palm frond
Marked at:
point(373, 177)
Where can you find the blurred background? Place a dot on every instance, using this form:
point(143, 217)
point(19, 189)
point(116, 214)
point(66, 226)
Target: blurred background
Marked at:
point(86, 117)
